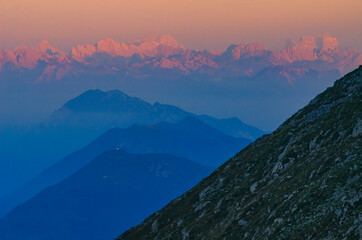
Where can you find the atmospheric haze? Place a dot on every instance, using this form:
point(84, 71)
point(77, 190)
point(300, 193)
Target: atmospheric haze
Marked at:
point(210, 24)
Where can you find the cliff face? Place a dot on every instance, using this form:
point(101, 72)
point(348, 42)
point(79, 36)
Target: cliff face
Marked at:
point(302, 181)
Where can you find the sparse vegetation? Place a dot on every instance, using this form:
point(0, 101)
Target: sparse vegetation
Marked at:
point(301, 182)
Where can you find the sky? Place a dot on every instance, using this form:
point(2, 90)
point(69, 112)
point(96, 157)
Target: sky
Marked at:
point(200, 24)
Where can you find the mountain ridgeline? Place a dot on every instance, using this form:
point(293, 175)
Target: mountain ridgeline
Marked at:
point(163, 55)
point(82, 119)
point(110, 194)
point(263, 86)
point(116, 109)
point(303, 181)
point(190, 138)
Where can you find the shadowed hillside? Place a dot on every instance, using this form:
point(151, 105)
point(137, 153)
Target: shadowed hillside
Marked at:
point(301, 181)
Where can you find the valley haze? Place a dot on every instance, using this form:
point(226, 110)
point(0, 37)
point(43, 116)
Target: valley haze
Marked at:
point(181, 119)
point(249, 81)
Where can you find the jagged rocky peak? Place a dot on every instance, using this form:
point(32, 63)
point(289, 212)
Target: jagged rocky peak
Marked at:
point(113, 48)
point(29, 57)
point(252, 49)
point(323, 41)
point(155, 45)
point(44, 45)
point(158, 52)
point(302, 180)
point(246, 50)
point(48, 51)
point(81, 51)
point(311, 48)
point(164, 39)
point(107, 45)
point(41, 51)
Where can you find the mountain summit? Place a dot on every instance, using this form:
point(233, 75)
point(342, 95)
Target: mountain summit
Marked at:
point(165, 39)
point(96, 109)
point(301, 181)
point(309, 48)
point(87, 116)
point(151, 46)
point(156, 53)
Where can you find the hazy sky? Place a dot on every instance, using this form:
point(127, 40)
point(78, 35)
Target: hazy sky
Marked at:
point(210, 24)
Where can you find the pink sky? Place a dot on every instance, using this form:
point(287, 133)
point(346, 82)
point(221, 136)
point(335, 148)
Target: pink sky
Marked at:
point(210, 24)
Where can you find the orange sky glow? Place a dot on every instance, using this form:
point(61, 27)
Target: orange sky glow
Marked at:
point(202, 24)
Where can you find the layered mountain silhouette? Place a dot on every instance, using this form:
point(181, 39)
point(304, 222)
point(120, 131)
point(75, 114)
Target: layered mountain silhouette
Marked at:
point(112, 193)
point(83, 119)
point(301, 181)
point(96, 108)
point(263, 86)
point(190, 138)
point(163, 54)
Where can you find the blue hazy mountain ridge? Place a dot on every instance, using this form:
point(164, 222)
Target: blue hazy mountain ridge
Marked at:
point(80, 121)
point(189, 138)
point(264, 99)
point(112, 102)
point(113, 192)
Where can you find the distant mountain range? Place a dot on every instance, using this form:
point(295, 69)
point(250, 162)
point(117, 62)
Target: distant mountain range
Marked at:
point(164, 56)
point(96, 109)
point(303, 181)
point(113, 192)
point(248, 81)
point(190, 138)
point(81, 120)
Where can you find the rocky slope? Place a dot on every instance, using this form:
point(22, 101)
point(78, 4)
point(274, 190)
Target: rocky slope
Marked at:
point(303, 181)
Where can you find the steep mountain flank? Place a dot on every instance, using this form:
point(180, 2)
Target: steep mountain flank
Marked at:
point(301, 182)
point(190, 138)
point(81, 120)
point(113, 192)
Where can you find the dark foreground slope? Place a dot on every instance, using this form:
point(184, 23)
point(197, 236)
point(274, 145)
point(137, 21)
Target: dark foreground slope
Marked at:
point(303, 181)
point(114, 192)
